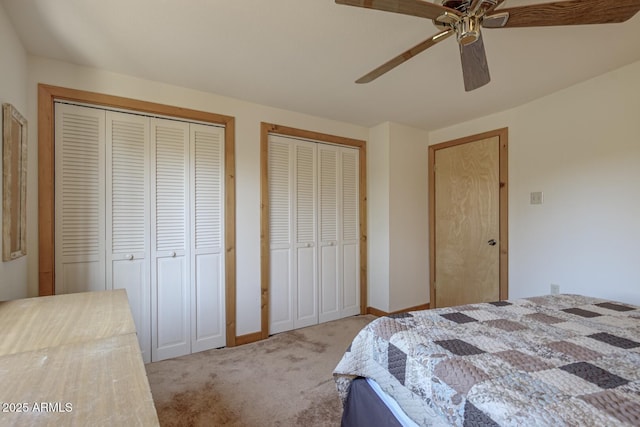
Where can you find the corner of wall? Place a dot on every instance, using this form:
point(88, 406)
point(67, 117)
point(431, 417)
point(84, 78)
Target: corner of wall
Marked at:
point(378, 217)
point(398, 237)
point(408, 217)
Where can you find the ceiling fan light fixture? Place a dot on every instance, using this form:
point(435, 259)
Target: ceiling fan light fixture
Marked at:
point(468, 30)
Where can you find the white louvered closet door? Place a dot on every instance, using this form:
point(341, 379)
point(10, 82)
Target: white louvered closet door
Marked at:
point(349, 242)
point(305, 263)
point(208, 328)
point(281, 279)
point(139, 205)
point(329, 222)
point(127, 223)
point(80, 199)
point(314, 233)
point(339, 260)
point(170, 246)
point(293, 242)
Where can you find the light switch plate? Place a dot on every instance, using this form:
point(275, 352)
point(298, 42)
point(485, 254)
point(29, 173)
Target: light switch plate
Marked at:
point(536, 198)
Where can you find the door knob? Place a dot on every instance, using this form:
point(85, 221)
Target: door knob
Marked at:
point(492, 242)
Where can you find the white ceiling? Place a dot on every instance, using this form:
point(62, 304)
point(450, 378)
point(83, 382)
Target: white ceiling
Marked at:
point(304, 55)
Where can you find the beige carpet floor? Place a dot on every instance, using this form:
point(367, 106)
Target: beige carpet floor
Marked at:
point(285, 380)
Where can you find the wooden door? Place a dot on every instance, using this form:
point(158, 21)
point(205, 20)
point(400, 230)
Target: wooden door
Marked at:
point(468, 226)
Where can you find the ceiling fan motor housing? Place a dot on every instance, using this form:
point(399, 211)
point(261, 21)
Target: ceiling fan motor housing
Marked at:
point(467, 26)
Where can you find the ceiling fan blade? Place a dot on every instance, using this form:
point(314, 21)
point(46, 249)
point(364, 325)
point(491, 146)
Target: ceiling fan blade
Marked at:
point(420, 8)
point(572, 12)
point(405, 56)
point(475, 69)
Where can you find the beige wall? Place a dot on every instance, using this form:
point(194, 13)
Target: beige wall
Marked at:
point(581, 147)
point(398, 227)
point(378, 217)
point(408, 214)
point(248, 117)
point(13, 89)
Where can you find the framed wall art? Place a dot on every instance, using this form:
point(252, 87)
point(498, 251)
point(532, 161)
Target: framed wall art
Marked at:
point(14, 180)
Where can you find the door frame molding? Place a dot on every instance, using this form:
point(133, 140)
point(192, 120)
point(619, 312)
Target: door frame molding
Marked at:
point(503, 141)
point(265, 272)
point(47, 95)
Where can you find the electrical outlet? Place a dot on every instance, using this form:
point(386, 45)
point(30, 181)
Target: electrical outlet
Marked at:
point(555, 289)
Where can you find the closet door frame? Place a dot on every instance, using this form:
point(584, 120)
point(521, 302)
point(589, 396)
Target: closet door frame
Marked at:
point(47, 96)
point(265, 130)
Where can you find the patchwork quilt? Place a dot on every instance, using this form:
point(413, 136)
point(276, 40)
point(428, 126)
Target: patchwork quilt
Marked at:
point(557, 360)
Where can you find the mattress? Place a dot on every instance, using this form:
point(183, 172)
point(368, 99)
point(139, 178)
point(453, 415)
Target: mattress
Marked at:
point(551, 360)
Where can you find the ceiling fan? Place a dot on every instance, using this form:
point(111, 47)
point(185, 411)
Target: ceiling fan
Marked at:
point(464, 18)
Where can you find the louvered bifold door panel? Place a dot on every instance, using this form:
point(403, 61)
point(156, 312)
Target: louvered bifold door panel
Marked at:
point(171, 296)
point(305, 265)
point(280, 187)
point(128, 216)
point(350, 232)
point(330, 285)
point(207, 237)
point(79, 199)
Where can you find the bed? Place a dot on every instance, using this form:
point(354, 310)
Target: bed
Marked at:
point(550, 360)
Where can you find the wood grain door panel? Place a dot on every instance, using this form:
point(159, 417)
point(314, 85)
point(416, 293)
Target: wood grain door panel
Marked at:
point(468, 220)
